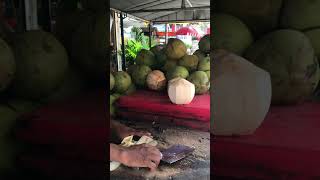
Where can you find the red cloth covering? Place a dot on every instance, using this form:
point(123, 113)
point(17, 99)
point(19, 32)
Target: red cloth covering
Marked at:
point(150, 105)
point(81, 121)
point(69, 139)
point(286, 145)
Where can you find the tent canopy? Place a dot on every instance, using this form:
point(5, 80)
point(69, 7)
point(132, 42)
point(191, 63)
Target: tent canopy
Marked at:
point(165, 10)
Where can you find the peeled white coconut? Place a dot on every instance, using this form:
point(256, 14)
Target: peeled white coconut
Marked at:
point(181, 91)
point(114, 165)
point(241, 95)
point(127, 142)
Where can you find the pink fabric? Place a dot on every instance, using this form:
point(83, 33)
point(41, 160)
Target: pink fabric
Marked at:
point(287, 143)
point(79, 121)
point(70, 139)
point(151, 106)
point(150, 102)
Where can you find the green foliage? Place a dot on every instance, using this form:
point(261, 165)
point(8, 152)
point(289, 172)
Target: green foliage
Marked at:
point(188, 46)
point(133, 46)
point(153, 41)
point(138, 34)
point(131, 50)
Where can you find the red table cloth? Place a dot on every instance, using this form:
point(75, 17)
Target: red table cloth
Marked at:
point(67, 140)
point(81, 121)
point(151, 105)
point(286, 146)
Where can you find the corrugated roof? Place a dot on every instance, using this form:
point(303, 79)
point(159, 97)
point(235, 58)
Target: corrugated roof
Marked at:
point(167, 11)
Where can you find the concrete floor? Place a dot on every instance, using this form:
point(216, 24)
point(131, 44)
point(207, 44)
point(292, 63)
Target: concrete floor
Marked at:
point(195, 166)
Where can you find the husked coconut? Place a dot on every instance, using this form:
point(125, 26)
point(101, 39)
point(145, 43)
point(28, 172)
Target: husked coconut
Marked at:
point(7, 65)
point(156, 80)
point(181, 91)
point(241, 95)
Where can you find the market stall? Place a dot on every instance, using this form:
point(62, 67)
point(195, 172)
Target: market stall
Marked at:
point(170, 98)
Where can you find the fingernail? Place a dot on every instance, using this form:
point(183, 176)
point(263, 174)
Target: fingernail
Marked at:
point(161, 155)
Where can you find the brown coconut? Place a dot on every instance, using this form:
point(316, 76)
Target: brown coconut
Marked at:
point(156, 80)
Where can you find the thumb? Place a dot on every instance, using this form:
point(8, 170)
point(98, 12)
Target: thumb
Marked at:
point(152, 166)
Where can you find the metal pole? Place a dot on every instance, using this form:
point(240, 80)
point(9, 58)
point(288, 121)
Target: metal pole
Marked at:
point(150, 35)
point(122, 43)
point(183, 4)
point(31, 15)
point(166, 34)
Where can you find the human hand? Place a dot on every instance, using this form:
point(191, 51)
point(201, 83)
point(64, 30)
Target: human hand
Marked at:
point(142, 155)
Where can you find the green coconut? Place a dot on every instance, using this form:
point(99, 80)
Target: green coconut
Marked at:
point(300, 14)
point(8, 120)
point(146, 57)
point(7, 65)
point(175, 49)
point(132, 88)
point(316, 94)
point(89, 47)
point(112, 110)
point(201, 81)
point(157, 49)
point(122, 82)
point(41, 63)
point(5, 31)
point(190, 62)
point(117, 95)
point(231, 33)
point(204, 64)
point(314, 37)
point(161, 59)
point(204, 44)
point(22, 106)
point(261, 16)
point(113, 98)
point(73, 85)
point(9, 153)
point(67, 23)
point(160, 54)
point(289, 58)
point(131, 68)
point(178, 71)
point(112, 81)
point(208, 74)
point(199, 54)
point(140, 74)
point(170, 64)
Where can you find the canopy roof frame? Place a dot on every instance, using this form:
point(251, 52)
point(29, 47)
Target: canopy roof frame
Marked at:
point(159, 10)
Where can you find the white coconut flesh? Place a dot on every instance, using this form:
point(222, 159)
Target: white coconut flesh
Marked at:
point(181, 91)
point(241, 95)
